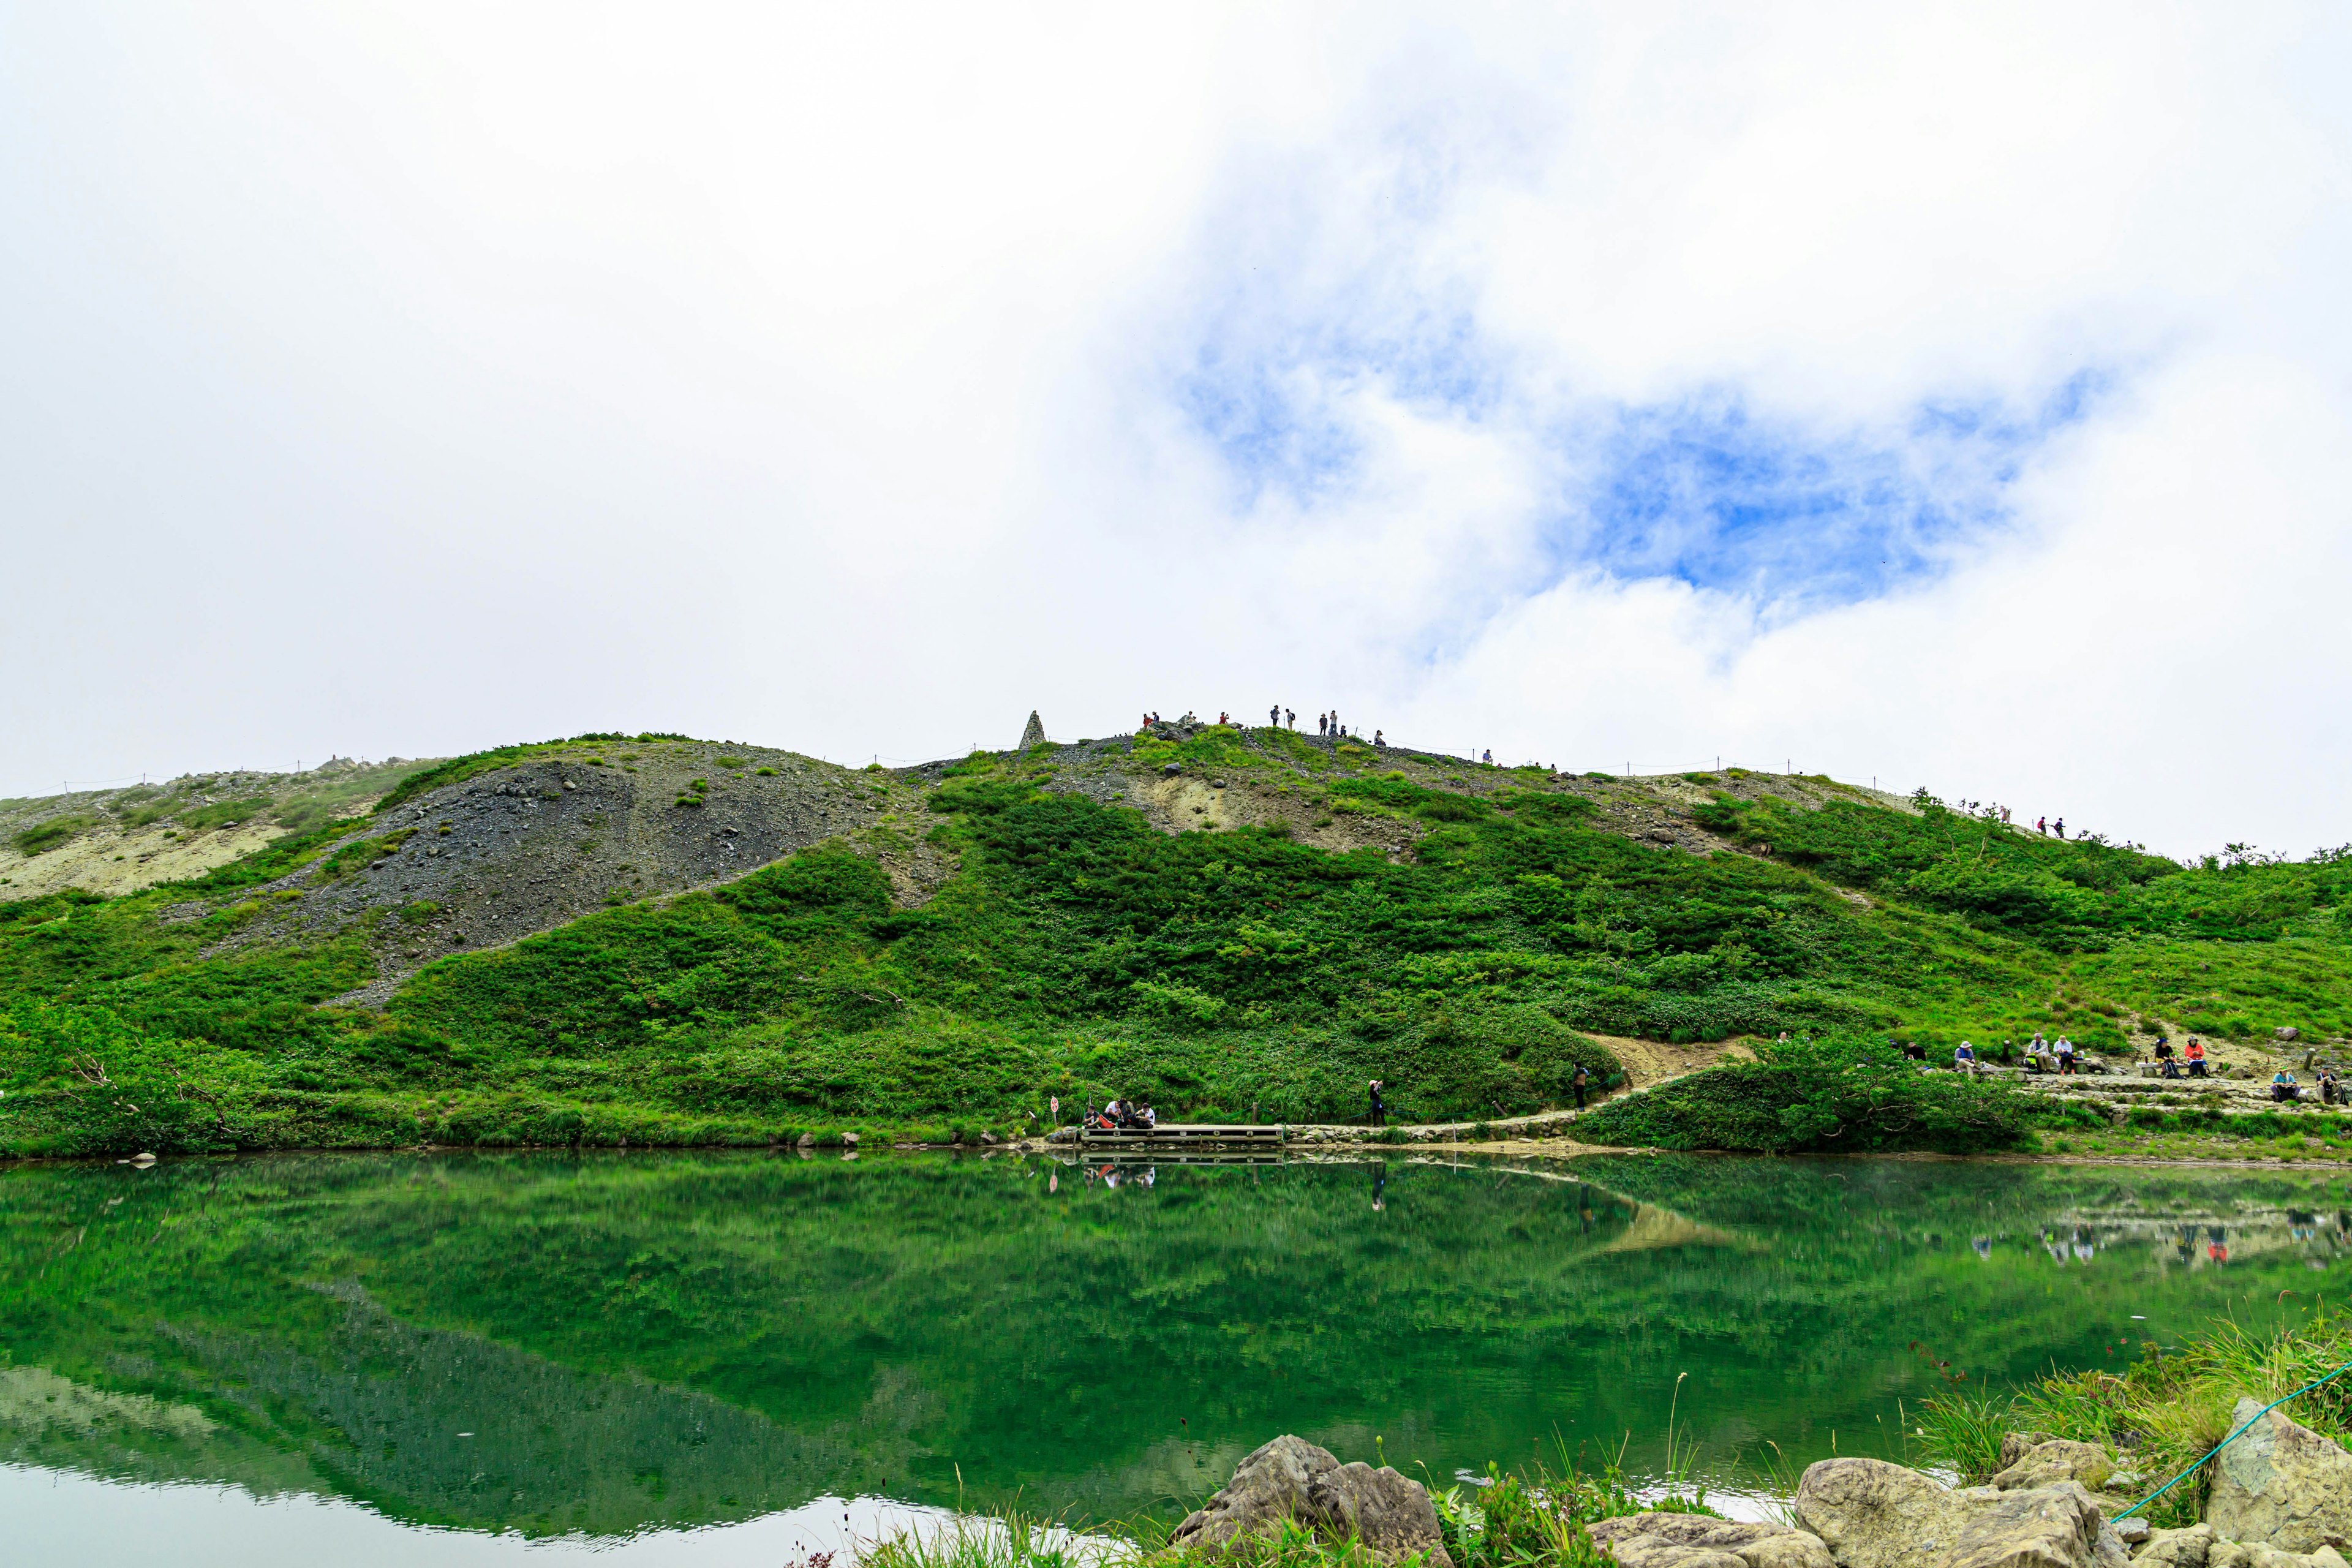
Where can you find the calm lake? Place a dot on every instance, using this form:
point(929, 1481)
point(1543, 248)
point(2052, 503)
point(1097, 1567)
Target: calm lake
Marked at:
point(696, 1358)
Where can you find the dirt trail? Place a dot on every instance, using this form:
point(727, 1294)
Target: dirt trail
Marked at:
point(1652, 1062)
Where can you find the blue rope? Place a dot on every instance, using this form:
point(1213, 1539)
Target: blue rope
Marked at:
point(2232, 1438)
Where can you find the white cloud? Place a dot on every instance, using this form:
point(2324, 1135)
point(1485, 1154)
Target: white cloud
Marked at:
point(415, 381)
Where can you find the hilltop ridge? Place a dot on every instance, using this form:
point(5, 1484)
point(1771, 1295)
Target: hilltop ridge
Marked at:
point(653, 938)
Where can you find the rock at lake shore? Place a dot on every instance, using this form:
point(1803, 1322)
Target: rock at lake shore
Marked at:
point(1291, 1479)
point(2030, 1459)
point(1874, 1514)
point(1696, 1540)
point(2281, 1485)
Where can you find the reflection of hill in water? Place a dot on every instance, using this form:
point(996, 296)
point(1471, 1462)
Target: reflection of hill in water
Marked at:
point(679, 1340)
point(459, 1430)
point(437, 1427)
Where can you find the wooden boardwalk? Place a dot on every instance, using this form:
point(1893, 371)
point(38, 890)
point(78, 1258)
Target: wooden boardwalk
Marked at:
point(1177, 1135)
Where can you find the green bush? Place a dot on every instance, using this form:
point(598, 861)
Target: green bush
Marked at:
point(225, 813)
point(1861, 1106)
point(43, 837)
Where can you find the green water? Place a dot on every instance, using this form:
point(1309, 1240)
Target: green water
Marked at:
point(608, 1345)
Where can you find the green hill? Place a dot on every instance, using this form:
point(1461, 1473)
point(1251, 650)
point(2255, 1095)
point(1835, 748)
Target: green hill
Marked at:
point(652, 939)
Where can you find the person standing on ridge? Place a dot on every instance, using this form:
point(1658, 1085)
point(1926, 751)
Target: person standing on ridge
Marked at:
point(2041, 825)
point(1291, 714)
point(1273, 717)
point(2061, 826)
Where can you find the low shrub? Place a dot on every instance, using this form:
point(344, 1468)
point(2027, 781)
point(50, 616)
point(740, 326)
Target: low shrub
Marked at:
point(43, 837)
point(1842, 1097)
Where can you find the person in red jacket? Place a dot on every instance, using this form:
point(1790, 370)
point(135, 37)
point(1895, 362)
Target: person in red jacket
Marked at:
point(2196, 1055)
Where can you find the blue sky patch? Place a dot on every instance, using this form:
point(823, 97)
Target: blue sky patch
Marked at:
point(1708, 493)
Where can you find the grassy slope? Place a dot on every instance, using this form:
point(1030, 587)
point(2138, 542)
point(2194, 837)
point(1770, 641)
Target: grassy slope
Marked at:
point(1080, 952)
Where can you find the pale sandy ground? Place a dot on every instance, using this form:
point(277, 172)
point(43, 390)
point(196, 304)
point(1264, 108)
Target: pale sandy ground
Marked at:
point(112, 861)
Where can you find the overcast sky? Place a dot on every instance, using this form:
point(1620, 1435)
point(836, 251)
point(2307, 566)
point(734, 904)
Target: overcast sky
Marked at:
point(1958, 396)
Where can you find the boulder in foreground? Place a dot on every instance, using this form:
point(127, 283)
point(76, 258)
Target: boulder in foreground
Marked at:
point(1291, 1479)
point(1874, 1514)
point(1697, 1541)
point(2281, 1485)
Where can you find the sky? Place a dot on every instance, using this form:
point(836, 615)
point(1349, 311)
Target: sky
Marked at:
point(1944, 396)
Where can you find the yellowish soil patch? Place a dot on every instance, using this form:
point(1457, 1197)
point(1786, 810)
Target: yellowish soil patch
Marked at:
point(1651, 1062)
point(110, 861)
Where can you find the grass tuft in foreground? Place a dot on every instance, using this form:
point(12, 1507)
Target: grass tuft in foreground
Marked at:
point(1532, 1517)
point(2162, 1415)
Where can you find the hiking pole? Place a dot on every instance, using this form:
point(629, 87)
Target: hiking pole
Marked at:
point(2232, 1438)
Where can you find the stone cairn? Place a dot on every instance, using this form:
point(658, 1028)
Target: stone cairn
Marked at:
point(1034, 735)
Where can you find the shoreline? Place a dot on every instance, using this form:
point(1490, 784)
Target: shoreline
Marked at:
point(1354, 1150)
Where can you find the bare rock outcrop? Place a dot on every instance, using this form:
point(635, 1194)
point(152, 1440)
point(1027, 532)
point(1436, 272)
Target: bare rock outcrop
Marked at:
point(1697, 1541)
point(1874, 1514)
point(2281, 1485)
point(1291, 1479)
point(2030, 1459)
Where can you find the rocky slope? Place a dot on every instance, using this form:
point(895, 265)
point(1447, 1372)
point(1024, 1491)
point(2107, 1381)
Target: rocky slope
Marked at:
point(564, 829)
point(569, 830)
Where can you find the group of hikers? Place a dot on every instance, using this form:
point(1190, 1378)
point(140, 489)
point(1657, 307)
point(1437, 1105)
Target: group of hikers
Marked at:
point(1122, 1116)
point(1327, 725)
point(2287, 1091)
point(2062, 1057)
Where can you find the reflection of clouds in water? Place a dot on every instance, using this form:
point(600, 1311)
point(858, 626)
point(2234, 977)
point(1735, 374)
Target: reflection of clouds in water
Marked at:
point(57, 1518)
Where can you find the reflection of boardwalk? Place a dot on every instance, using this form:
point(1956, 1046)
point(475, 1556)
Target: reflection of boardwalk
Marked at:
point(1649, 1226)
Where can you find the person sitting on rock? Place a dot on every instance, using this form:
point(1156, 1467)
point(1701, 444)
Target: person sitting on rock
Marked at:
point(1964, 1059)
point(2283, 1085)
point(2196, 1055)
point(2328, 1086)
